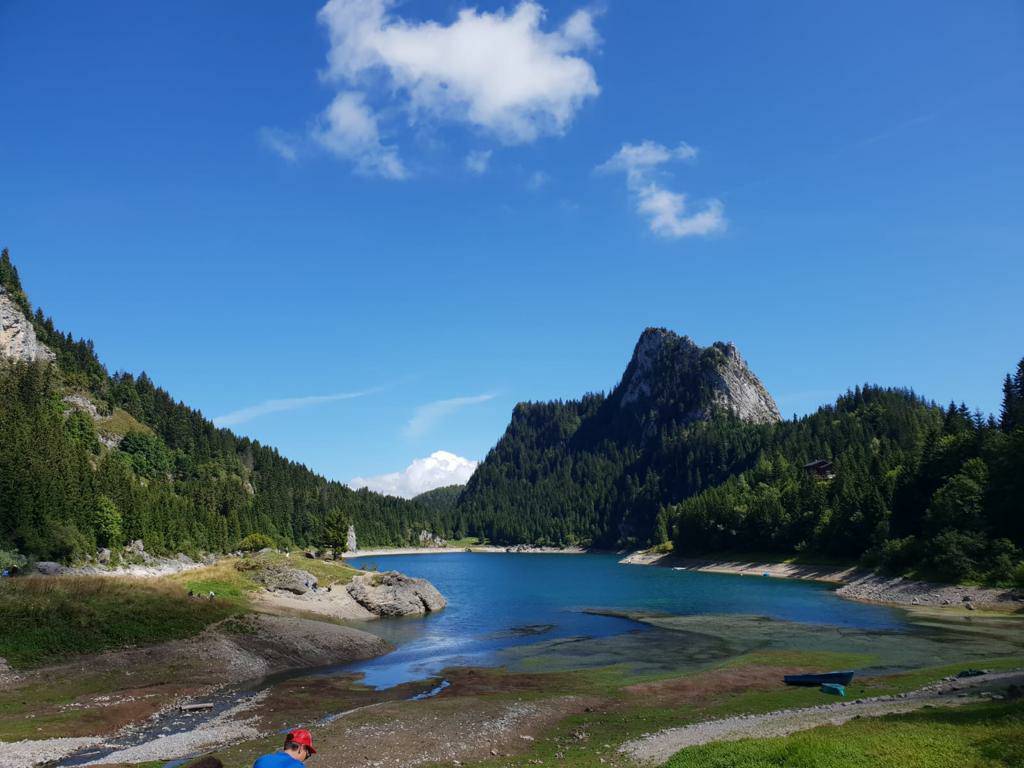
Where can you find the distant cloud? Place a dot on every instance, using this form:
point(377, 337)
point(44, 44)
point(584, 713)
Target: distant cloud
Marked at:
point(251, 412)
point(348, 129)
point(429, 414)
point(439, 469)
point(478, 160)
point(666, 211)
point(537, 180)
point(279, 142)
point(497, 72)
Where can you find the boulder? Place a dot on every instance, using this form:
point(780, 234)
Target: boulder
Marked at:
point(286, 579)
point(103, 556)
point(184, 559)
point(395, 594)
point(46, 568)
point(135, 547)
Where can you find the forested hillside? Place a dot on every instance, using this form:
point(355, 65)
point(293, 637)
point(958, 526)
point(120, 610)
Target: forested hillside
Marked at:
point(910, 485)
point(89, 459)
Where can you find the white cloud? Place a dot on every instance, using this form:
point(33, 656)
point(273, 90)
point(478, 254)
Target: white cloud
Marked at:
point(439, 469)
point(428, 415)
point(496, 71)
point(348, 128)
point(666, 211)
point(638, 159)
point(279, 142)
point(537, 180)
point(478, 160)
point(251, 412)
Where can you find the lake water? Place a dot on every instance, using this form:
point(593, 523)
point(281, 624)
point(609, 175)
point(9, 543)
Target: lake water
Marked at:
point(511, 609)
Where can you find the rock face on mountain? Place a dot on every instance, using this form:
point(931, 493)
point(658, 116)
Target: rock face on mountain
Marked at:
point(395, 594)
point(678, 380)
point(17, 336)
point(601, 470)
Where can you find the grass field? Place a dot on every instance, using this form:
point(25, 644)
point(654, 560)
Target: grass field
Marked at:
point(47, 619)
point(983, 735)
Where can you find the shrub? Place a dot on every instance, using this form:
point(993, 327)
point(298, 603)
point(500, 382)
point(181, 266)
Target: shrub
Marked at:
point(898, 555)
point(1018, 576)
point(954, 555)
point(255, 542)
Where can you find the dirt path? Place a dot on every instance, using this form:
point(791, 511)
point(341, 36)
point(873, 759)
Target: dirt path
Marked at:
point(657, 748)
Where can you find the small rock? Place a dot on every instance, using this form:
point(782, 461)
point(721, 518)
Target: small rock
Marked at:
point(103, 556)
point(970, 606)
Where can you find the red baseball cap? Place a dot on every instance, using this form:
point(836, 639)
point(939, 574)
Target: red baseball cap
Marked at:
point(302, 736)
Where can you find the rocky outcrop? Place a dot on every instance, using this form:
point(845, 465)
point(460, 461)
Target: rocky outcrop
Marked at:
point(284, 579)
point(672, 373)
point(18, 339)
point(395, 594)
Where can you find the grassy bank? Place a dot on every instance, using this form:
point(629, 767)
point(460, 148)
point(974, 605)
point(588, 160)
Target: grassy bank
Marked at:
point(46, 620)
point(987, 735)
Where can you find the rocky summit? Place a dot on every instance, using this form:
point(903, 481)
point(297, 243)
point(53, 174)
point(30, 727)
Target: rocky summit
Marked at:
point(681, 381)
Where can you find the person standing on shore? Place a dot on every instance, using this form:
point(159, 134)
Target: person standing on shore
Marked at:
point(298, 747)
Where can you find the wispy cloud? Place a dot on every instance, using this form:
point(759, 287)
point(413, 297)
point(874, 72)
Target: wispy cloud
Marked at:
point(437, 470)
point(251, 412)
point(666, 212)
point(427, 416)
point(537, 180)
point(280, 143)
point(478, 161)
point(349, 129)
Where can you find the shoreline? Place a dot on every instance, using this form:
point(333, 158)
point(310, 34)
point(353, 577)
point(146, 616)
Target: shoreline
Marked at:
point(852, 582)
point(517, 549)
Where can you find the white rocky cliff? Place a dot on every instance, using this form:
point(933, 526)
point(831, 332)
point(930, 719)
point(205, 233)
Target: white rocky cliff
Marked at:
point(668, 368)
point(17, 335)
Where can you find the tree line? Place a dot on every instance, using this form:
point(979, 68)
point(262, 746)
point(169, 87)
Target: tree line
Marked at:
point(175, 480)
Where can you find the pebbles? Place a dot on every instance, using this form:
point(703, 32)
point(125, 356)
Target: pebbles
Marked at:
point(884, 589)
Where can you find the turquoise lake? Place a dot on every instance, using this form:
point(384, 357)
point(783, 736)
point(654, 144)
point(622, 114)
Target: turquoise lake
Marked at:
point(515, 609)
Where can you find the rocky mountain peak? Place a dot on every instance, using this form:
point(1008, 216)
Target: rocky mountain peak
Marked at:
point(679, 380)
point(18, 339)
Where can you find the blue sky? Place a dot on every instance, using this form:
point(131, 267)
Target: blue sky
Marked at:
point(282, 202)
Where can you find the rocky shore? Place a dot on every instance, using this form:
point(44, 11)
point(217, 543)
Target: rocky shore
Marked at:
point(855, 583)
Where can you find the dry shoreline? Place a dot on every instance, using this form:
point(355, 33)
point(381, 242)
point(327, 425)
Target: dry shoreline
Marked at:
point(854, 583)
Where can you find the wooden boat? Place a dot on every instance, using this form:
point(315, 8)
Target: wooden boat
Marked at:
point(839, 678)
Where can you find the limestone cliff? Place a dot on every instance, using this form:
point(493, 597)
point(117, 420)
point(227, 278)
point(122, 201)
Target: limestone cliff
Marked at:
point(18, 339)
point(671, 378)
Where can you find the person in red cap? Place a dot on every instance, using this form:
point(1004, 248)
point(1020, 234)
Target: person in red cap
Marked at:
point(298, 746)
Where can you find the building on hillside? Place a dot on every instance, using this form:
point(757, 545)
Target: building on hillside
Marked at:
point(820, 468)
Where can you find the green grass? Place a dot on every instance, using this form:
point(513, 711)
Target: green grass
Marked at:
point(120, 423)
point(467, 541)
point(47, 619)
point(327, 572)
point(984, 735)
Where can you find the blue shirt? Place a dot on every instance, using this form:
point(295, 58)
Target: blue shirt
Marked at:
point(277, 760)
